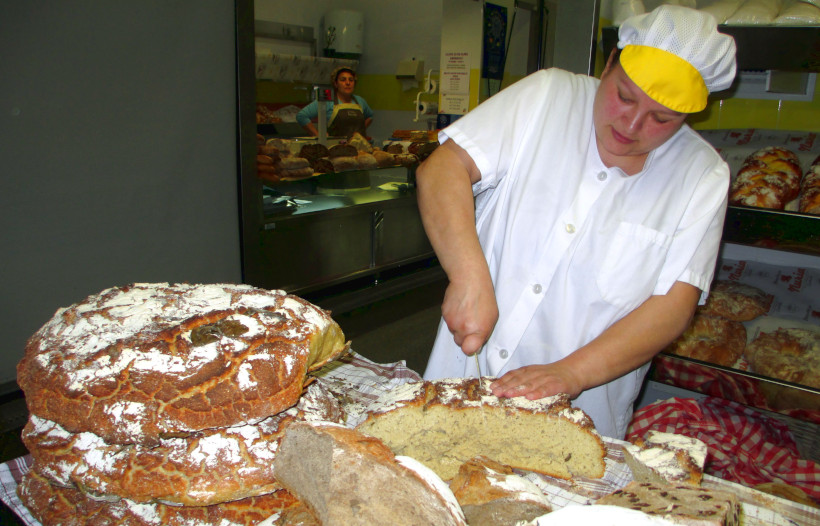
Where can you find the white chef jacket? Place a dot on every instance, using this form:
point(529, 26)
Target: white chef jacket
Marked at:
point(574, 246)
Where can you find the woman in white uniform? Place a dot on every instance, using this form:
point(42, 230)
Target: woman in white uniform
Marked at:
point(579, 220)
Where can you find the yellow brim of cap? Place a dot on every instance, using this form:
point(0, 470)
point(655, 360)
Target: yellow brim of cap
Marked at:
point(665, 77)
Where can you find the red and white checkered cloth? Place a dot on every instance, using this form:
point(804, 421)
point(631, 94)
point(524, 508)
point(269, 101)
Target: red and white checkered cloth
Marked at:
point(745, 446)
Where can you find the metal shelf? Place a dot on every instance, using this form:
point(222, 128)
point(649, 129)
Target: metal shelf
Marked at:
point(784, 48)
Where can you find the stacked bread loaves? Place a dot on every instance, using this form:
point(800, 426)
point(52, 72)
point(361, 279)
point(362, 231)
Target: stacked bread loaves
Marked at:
point(154, 394)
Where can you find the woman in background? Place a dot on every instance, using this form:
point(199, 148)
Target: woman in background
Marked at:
point(346, 113)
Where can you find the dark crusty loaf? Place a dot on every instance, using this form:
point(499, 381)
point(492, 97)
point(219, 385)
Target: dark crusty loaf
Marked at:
point(454, 420)
point(139, 363)
point(678, 504)
point(666, 458)
point(345, 477)
point(491, 494)
point(712, 339)
point(207, 467)
point(57, 506)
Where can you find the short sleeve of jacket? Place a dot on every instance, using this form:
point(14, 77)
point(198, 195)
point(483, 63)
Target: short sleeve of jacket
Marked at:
point(695, 244)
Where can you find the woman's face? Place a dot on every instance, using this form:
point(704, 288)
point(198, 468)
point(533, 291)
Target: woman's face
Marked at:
point(345, 82)
point(629, 124)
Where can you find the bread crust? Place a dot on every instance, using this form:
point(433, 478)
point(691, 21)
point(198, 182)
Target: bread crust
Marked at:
point(144, 362)
point(736, 301)
point(57, 506)
point(789, 354)
point(768, 178)
point(456, 419)
point(204, 468)
point(712, 339)
point(346, 477)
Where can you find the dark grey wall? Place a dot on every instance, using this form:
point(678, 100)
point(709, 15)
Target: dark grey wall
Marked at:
point(117, 152)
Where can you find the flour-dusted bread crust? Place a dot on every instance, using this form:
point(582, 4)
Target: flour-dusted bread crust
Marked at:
point(491, 494)
point(348, 478)
point(57, 506)
point(447, 422)
point(140, 363)
point(789, 354)
point(768, 178)
point(203, 468)
point(678, 504)
point(736, 301)
point(666, 458)
point(712, 339)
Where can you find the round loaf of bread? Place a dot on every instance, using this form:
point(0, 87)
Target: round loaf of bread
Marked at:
point(768, 178)
point(204, 468)
point(57, 506)
point(736, 301)
point(144, 362)
point(789, 354)
point(447, 422)
point(712, 339)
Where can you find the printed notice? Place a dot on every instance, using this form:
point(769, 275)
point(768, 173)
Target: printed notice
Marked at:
point(455, 83)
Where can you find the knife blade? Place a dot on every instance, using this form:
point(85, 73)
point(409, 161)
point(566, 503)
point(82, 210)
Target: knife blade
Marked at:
point(478, 367)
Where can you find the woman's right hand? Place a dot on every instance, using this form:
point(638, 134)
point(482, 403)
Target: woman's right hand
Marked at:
point(470, 312)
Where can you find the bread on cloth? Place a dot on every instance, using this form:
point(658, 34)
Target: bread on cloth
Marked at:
point(491, 494)
point(666, 458)
point(207, 467)
point(148, 361)
point(768, 178)
point(346, 477)
point(53, 505)
point(790, 354)
point(712, 339)
point(810, 190)
point(736, 301)
point(446, 422)
point(678, 504)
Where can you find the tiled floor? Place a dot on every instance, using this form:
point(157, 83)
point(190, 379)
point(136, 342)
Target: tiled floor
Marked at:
point(398, 328)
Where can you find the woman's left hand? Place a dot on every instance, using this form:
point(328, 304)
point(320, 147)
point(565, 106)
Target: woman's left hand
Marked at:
point(538, 381)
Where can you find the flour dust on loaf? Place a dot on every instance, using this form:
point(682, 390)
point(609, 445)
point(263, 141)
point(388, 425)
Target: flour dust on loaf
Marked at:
point(138, 363)
point(53, 505)
point(679, 504)
point(447, 422)
point(491, 494)
point(666, 458)
point(346, 477)
point(203, 468)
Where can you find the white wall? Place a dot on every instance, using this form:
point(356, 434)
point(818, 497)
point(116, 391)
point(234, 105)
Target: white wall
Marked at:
point(118, 152)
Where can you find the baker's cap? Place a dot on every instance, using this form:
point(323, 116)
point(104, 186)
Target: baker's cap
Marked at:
point(677, 56)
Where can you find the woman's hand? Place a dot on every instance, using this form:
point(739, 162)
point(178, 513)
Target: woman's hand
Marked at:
point(470, 311)
point(538, 381)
